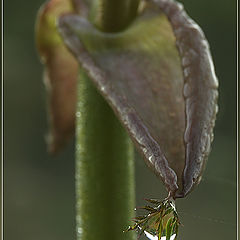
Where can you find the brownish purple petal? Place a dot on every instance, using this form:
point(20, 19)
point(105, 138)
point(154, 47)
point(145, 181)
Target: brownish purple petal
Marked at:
point(200, 91)
point(157, 75)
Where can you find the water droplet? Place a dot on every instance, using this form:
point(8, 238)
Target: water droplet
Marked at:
point(144, 150)
point(186, 61)
point(78, 114)
point(186, 71)
point(151, 158)
point(79, 232)
point(78, 147)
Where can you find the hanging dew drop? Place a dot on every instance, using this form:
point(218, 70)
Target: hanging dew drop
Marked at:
point(160, 222)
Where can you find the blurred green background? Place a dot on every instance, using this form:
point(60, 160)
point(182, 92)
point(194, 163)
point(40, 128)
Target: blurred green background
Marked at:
point(39, 189)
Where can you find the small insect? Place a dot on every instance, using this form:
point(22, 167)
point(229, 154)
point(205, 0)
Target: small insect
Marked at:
point(161, 220)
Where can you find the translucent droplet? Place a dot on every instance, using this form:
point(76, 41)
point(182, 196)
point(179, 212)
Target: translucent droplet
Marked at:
point(78, 114)
point(151, 158)
point(144, 150)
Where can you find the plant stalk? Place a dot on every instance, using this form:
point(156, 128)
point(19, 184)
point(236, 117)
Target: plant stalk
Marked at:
point(105, 188)
point(113, 15)
point(104, 169)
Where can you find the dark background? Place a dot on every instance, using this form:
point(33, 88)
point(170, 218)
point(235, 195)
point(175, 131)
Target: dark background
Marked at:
point(39, 189)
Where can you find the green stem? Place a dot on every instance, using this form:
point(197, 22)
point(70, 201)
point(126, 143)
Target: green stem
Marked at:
point(104, 169)
point(104, 156)
point(113, 15)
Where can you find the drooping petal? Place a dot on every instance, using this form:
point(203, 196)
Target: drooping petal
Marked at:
point(200, 91)
point(60, 74)
point(145, 76)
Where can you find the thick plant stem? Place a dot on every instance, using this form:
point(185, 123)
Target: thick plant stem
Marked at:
point(113, 15)
point(104, 169)
point(104, 156)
